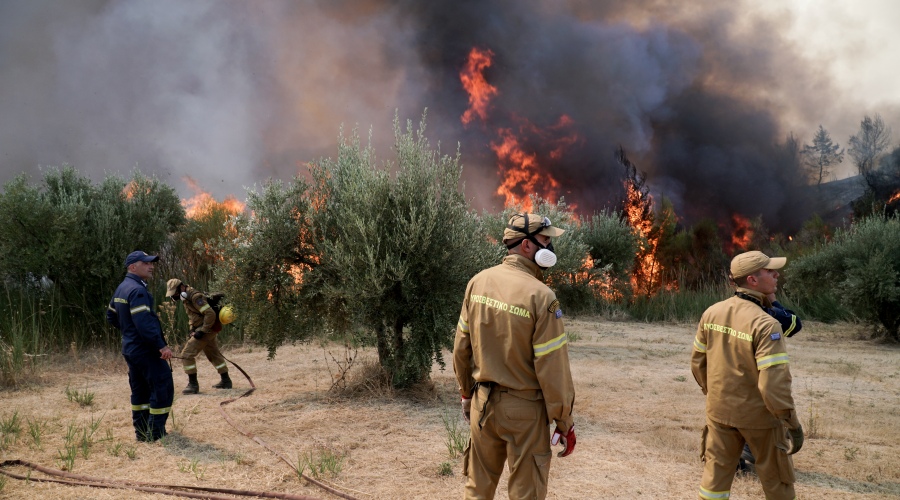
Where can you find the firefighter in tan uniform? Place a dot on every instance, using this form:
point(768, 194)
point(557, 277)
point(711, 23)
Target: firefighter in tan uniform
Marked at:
point(205, 326)
point(511, 361)
point(740, 361)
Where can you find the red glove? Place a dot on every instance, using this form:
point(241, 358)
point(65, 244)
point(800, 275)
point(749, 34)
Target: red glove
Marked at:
point(568, 441)
point(466, 407)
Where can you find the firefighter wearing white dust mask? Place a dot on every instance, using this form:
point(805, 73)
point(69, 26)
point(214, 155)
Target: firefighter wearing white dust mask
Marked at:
point(511, 361)
point(741, 363)
point(205, 327)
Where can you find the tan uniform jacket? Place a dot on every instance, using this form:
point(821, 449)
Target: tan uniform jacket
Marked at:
point(200, 314)
point(510, 332)
point(740, 361)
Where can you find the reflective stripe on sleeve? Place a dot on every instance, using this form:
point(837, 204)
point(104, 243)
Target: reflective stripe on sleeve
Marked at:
point(204, 308)
point(787, 333)
point(462, 325)
point(140, 407)
point(769, 361)
point(135, 310)
point(712, 495)
point(700, 346)
point(548, 347)
point(160, 411)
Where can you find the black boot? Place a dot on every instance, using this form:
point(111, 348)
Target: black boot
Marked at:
point(193, 386)
point(225, 383)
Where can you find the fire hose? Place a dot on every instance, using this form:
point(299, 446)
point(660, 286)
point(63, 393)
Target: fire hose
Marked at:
point(174, 489)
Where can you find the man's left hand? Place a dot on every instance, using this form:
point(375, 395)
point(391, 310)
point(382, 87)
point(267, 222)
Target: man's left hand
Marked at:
point(165, 353)
point(197, 334)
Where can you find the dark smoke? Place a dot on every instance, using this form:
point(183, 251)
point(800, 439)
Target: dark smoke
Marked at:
point(233, 92)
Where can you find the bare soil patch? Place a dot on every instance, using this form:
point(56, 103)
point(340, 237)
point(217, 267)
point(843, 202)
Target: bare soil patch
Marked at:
point(638, 410)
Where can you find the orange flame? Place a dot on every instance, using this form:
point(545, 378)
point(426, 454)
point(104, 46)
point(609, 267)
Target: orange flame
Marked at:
point(480, 91)
point(521, 173)
point(648, 270)
point(742, 232)
point(202, 202)
point(895, 197)
point(129, 190)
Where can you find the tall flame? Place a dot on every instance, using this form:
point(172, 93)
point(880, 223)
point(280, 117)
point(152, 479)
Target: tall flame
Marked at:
point(480, 91)
point(519, 164)
point(647, 274)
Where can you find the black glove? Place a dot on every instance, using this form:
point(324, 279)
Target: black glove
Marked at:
point(197, 334)
point(796, 439)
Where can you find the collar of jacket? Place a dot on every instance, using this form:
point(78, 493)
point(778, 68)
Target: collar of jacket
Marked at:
point(135, 277)
point(751, 295)
point(527, 265)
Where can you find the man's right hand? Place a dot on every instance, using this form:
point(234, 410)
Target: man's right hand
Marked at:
point(796, 439)
point(166, 353)
point(567, 439)
point(466, 407)
point(197, 334)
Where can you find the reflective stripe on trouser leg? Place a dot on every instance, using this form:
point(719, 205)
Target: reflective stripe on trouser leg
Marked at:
point(162, 393)
point(189, 353)
point(514, 430)
point(213, 354)
point(723, 451)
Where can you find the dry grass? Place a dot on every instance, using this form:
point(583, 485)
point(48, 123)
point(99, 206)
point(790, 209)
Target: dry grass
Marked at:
point(638, 411)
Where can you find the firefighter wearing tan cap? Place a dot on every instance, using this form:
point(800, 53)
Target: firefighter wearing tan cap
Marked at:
point(205, 327)
point(511, 361)
point(741, 363)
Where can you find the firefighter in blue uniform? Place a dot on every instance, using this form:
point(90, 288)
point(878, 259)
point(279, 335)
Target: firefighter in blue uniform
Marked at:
point(144, 348)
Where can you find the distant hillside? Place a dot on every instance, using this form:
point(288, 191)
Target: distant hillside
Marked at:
point(831, 200)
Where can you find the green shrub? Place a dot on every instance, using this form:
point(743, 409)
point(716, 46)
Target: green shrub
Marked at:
point(62, 244)
point(859, 269)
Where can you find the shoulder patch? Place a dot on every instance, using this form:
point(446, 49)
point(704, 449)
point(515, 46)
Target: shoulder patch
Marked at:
point(775, 336)
point(199, 302)
point(554, 306)
point(558, 313)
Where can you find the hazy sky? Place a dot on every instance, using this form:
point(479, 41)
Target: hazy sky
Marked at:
point(233, 92)
point(855, 43)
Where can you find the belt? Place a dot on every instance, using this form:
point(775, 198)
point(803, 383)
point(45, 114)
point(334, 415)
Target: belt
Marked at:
point(530, 394)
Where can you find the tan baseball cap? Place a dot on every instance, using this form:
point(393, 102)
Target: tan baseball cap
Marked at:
point(537, 224)
point(748, 263)
point(172, 286)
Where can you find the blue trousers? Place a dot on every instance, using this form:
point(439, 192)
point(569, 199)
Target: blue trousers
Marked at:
point(152, 393)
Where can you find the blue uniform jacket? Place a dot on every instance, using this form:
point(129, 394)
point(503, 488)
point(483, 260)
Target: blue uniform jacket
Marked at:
point(131, 311)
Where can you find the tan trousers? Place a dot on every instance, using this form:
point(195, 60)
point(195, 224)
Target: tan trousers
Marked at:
point(207, 345)
point(721, 450)
point(507, 426)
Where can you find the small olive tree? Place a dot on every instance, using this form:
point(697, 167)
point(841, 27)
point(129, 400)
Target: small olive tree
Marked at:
point(860, 267)
point(397, 244)
point(267, 253)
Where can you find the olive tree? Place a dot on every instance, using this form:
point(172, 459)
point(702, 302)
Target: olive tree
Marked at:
point(397, 244)
point(860, 267)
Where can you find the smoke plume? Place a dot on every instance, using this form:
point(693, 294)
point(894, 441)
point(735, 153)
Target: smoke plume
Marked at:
point(232, 92)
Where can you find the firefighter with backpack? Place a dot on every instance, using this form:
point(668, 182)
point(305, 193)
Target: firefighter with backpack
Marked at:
point(205, 324)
